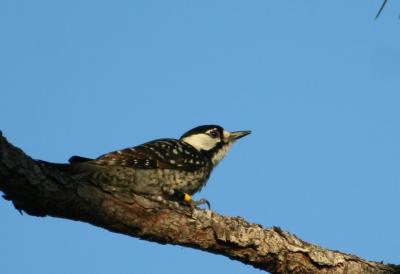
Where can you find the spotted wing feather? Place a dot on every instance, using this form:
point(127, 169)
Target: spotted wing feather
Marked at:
point(162, 153)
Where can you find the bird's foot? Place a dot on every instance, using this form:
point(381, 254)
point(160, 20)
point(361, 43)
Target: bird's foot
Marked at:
point(187, 199)
point(200, 202)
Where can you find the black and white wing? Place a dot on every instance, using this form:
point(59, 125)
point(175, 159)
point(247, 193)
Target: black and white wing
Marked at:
point(161, 153)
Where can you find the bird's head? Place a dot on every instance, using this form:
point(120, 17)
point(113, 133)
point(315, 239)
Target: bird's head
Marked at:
point(212, 140)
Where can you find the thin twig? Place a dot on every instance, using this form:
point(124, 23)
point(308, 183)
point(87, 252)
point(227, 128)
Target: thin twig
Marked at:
point(381, 9)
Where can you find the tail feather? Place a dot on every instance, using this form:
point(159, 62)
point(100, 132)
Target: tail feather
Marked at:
point(78, 159)
point(73, 167)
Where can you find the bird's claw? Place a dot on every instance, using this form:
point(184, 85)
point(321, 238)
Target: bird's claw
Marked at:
point(200, 202)
point(187, 199)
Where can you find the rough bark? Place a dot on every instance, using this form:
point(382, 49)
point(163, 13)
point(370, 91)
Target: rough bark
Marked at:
point(40, 190)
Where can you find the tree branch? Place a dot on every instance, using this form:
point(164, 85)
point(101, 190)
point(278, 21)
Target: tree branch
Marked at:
point(42, 190)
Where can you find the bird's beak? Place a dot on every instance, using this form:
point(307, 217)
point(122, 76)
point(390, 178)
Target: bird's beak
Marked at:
point(233, 136)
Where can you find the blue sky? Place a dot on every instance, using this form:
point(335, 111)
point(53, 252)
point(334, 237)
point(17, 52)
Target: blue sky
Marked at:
point(316, 81)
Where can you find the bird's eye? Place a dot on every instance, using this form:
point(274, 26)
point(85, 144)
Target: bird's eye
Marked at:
point(214, 134)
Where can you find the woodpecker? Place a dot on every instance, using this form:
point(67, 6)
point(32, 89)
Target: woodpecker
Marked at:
point(171, 168)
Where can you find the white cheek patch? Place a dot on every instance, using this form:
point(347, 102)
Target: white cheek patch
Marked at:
point(201, 141)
